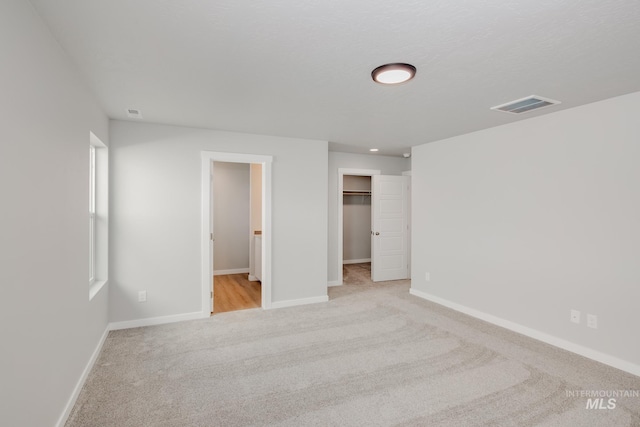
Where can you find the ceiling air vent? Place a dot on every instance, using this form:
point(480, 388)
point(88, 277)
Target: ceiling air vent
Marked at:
point(523, 105)
point(133, 113)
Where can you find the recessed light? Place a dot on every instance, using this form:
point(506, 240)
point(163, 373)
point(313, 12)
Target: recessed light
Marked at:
point(391, 74)
point(373, 149)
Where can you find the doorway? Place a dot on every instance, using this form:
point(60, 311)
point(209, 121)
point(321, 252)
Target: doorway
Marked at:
point(356, 229)
point(342, 172)
point(388, 229)
point(237, 213)
point(261, 245)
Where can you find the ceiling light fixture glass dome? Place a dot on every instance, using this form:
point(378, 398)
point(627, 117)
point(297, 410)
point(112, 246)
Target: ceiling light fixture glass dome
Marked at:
point(390, 74)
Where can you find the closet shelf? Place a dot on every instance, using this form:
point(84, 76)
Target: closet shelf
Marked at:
point(356, 193)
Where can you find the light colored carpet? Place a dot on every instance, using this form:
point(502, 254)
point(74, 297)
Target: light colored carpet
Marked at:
point(372, 356)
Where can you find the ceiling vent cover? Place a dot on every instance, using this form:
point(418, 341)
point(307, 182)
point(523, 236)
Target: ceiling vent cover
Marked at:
point(133, 113)
point(523, 105)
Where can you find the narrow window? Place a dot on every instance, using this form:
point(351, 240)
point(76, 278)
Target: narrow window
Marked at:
point(92, 214)
point(98, 215)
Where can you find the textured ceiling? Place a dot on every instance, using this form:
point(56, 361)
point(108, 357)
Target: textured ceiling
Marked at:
point(302, 68)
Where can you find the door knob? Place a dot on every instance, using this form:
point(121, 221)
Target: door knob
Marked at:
point(377, 234)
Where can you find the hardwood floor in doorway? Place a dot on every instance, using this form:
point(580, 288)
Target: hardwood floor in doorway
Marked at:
point(233, 292)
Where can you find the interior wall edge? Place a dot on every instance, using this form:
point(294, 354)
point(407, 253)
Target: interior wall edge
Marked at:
point(83, 378)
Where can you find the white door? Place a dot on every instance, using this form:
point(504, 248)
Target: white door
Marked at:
point(389, 228)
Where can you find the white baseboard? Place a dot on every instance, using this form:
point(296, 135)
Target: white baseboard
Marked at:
point(303, 301)
point(232, 271)
point(587, 352)
point(252, 278)
point(150, 321)
point(83, 378)
point(334, 283)
point(356, 261)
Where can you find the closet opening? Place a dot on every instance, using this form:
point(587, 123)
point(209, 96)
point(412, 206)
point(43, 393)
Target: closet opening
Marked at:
point(356, 229)
point(373, 226)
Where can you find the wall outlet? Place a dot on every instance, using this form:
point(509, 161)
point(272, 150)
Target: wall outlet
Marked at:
point(427, 276)
point(592, 321)
point(142, 296)
point(575, 316)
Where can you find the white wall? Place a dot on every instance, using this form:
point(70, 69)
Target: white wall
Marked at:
point(156, 208)
point(231, 216)
point(337, 160)
point(529, 220)
point(49, 328)
point(256, 197)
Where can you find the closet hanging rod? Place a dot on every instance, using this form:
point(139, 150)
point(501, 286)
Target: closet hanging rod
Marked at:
point(356, 193)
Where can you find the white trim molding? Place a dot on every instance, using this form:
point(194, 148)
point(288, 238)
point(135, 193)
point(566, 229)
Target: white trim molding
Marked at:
point(95, 288)
point(302, 301)
point(231, 271)
point(161, 320)
point(333, 283)
point(83, 378)
point(589, 353)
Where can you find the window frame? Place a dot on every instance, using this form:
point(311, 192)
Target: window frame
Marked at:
point(92, 214)
point(98, 249)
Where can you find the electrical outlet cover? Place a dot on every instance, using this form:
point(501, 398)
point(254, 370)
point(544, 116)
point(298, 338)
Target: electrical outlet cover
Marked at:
point(575, 316)
point(592, 321)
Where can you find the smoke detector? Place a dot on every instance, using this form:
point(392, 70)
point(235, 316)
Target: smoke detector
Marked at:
point(133, 113)
point(523, 105)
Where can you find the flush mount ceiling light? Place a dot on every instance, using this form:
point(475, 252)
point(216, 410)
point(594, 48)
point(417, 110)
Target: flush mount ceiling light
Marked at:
point(391, 74)
point(373, 149)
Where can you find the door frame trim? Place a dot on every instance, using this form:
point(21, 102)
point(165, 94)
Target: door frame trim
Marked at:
point(206, 249)
point(341, 173)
